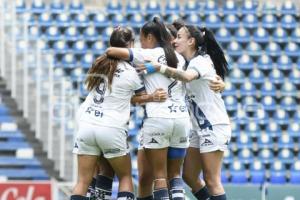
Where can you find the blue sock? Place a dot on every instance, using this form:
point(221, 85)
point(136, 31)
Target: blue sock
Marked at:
point(103, 187)
point(78, 197)
point(161, 194)
point(91, 189)
point(125, 196)
point(219, 197)
point(202, 194)
point(176, 189)
point(145, 198)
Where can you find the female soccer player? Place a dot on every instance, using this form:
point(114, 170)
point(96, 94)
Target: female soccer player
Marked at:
point(211, 126)
point(103, 118)
point(167, 123)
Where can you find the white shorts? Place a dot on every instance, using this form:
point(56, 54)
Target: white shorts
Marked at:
point(96, 140)
point(208, 140)
point(158, 133)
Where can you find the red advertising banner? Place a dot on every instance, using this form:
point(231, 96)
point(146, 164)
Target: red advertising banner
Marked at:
point(25, 190)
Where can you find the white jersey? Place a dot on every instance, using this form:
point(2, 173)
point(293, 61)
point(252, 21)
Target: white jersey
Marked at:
point(174, 106)
point(111, 108)
point(207, 107)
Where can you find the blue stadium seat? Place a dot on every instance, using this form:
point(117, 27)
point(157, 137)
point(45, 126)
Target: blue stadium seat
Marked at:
point(223, 35)
point(83, 90)
point(250, 21)
point(254, 49)
point(277, 165)
point(295, 36)
point(248, 89)
point(239, 177)
point(191, 7)
point(193, 19)
point(80, 47)
point(268, 89)
point(256, 77)
point(273, 129)
point(261, 35)
point(68, 61)
point(298, 64)
point(172, 7)
point(58, 73)
point(172, 17)
point(269, 8)
point(237, 76)
point(231, 22)
point(273, 49)
point(230, 90)
point(72, 34)
point(91, 34)
point(231, 103)
point(266, 156)
point(101, 20)
point(257, 165)
point(63, 20)
point(288, 8)
point(265, 63)
point(246, 156)
point(230, 8)
point(294, 129)
point(57, 6)
point(257, 172)
point(76, 6)
point(295, 172)
point(153, 7)
point(12, 136)
point(210, 7)
point(118, 20)
point(38, 7)
point(81, 20)
point(13, 146)
point(280, 35)
point(3, 110)
point(245, 63)
point(242, 35)
point(25, 174)
point(288, 89)
point(289, 22)
point(87, 60)
point(236, 165)
point(106, 33)
point(285, 141)
point(269, 21)
point(21, 6)
point(292, 50)
point(252, 129)
point(61, 47)
point(234, 49)
point(136, 21)
point(249, 7)
point(264, 141)
point(133, 7)
point(269, 103)
point(288, 104)
point(281, 117)
point(98, 47)
point(213, 21)
point(276, 77)
point(45, 19)
point(228, 157)
point(6, 161)
point(284, 63)
point(277, 177)
point(114, 7)
point(243, 141)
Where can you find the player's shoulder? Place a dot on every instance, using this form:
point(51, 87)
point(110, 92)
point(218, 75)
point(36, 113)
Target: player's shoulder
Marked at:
point(200, 59)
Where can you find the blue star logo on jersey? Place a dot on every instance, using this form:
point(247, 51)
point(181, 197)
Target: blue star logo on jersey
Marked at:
point(172, 108)
point(153, 141)
point(118, 72)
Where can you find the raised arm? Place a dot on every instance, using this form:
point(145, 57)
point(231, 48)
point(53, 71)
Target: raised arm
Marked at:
point(116, 52)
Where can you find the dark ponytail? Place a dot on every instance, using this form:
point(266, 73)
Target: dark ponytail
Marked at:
point(207, 44)
point(159, 31)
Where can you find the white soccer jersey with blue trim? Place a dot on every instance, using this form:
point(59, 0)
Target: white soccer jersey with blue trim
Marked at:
point(174, 106)
point(111, 108)
point(207, 107)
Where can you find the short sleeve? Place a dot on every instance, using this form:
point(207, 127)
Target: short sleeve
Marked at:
point(139, 55)
point(202, 65)
point(136, 82)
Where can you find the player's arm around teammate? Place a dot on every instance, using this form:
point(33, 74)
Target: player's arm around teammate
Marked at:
point(211, 133)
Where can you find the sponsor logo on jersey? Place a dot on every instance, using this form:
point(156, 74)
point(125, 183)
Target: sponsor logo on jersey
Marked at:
point(183, 140)
point(153, 141)
point(206, 142)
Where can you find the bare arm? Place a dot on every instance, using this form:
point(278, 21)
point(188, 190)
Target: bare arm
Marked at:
point(141, 98)
point(185, 76)
point(115, 52)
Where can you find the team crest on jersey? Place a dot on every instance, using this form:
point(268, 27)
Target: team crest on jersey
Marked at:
point(162, 59)
point(118, 72)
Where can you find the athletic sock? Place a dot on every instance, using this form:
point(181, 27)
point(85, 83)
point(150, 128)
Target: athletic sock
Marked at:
point(161, 194)
point(202, 194)
point(78, 197)
point(125, 196)
point(145, 198)
point(176, 189)
point(103, 187)
point(219, 197)
point(91, 190)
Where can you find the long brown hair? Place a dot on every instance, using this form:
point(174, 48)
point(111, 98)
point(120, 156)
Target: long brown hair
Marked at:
point(105, 66)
